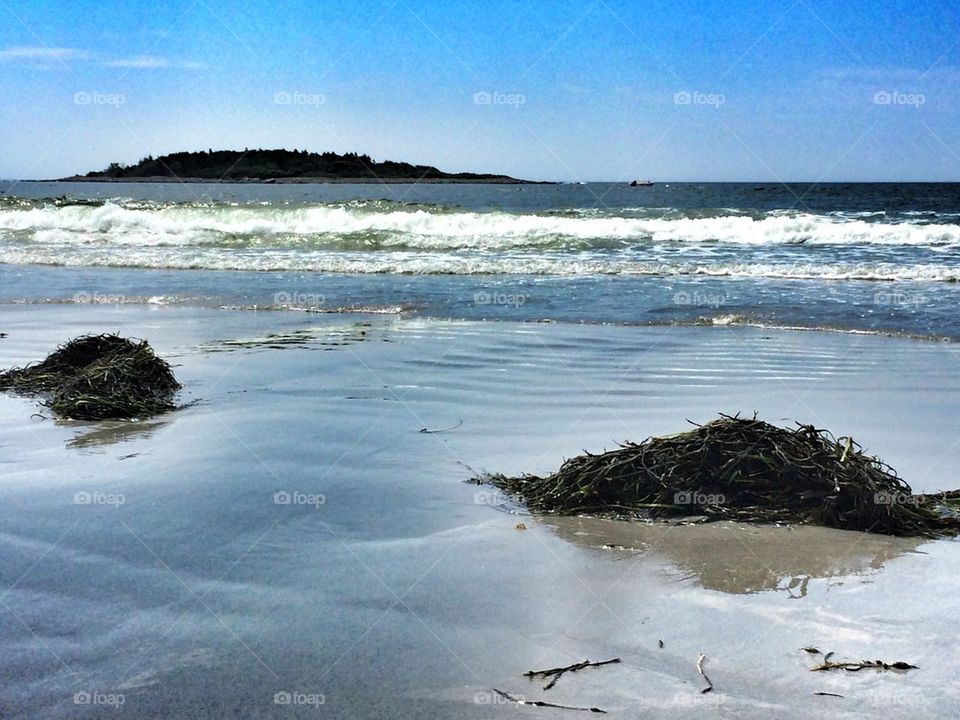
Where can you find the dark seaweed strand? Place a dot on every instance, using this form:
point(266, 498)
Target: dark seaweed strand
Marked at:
point(96, 377)
point(744, 469)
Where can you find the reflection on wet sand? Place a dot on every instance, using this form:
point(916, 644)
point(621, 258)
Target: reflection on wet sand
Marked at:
point(739, 558)
point(110, 432)
point(320, 338)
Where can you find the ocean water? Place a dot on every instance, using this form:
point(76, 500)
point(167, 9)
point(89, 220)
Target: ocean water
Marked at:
point(153, 568)
point(856, 257)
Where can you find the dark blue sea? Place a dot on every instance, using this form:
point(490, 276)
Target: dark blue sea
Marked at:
point(851, 257)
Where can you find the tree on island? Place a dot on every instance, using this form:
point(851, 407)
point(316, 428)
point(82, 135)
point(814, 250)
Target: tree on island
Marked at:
point(275, 164)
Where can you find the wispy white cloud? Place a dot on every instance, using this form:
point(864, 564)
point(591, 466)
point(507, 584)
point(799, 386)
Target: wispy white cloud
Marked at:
point(139, 62)
point(151, 62)
point(40, 52)
point(39, 56)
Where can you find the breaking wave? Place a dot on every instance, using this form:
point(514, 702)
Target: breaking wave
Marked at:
point(429, 227)
point(390, 237)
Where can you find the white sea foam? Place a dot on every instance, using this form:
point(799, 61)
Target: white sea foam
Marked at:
point(317, 226)
point(473, 263)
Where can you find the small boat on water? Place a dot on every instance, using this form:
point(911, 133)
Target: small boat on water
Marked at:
point(641, 183)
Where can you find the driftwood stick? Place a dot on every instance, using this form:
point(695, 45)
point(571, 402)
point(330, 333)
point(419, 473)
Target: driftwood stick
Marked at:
point(557, 672)
point(851, 666)
point(428, 431)
point(541, 703)
point(709, 686)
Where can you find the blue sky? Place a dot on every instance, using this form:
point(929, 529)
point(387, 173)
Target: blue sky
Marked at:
point(564, 90)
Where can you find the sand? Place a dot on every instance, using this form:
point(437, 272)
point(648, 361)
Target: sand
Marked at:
point(155, 561)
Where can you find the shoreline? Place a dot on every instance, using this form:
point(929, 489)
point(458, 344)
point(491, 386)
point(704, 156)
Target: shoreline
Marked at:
point(644, 301)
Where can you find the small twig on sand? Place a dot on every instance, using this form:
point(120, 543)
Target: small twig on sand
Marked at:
point(557, 673)
point(855, 666)
point(709, 686)
point(828, 694)
point(427, 431)
point(541, 703)
point(852, 666)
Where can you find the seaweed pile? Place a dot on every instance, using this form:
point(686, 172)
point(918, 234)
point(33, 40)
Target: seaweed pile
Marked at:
point(744, 469)
point(98, 377)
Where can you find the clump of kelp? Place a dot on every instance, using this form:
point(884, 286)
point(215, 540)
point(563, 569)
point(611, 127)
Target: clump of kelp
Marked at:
point(744, 469)
point(98, 377)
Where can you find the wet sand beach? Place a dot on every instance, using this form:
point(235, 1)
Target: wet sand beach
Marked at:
point(291, 543)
